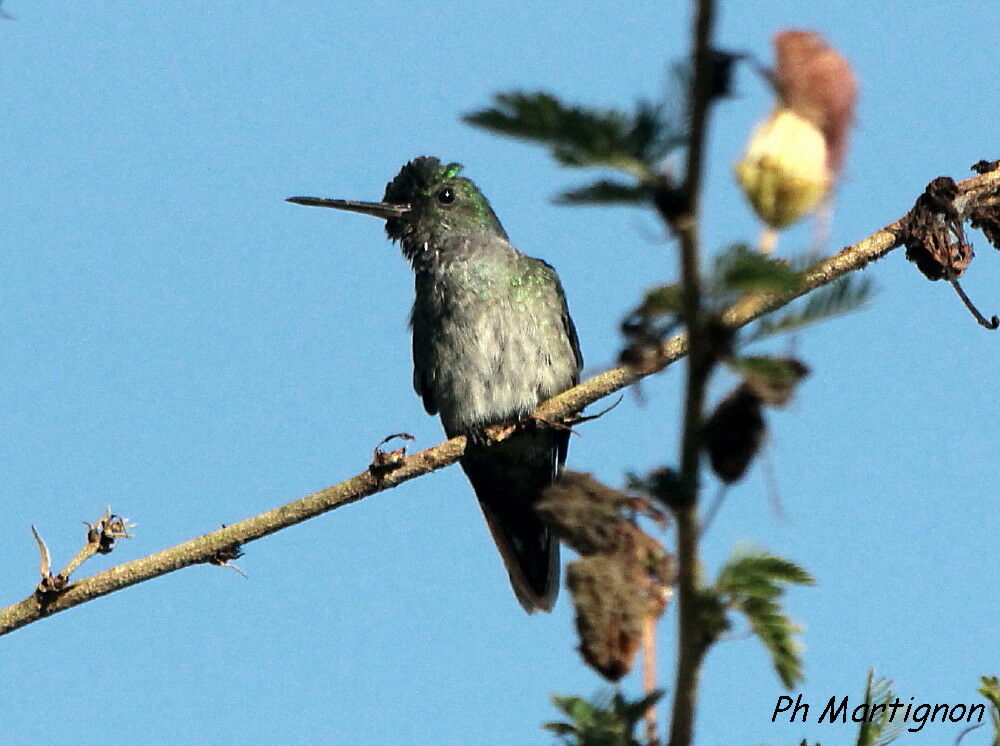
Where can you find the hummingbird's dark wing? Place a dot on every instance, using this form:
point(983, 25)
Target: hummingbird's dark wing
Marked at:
point(567, 320)
point(423, 363)
point(562, 438)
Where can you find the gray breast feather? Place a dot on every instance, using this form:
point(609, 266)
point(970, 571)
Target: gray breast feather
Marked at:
point(478, 362)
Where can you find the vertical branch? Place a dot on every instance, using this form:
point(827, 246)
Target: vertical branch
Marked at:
point(690, 634)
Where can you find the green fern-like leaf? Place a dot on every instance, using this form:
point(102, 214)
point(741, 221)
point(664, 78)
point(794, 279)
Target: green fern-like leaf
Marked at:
point(740, 269)
point(776, 632)
point(606, 192)
point(775, 369)
point(752, 583)
point(634, 711)
point(663, 300)
point(603, 721)
point(882, 730)
point(581, 136)
point(758, 565)
point(578, 709)
point(990, 689)
point(773, 380)
point(836, 299)
point(769, 371)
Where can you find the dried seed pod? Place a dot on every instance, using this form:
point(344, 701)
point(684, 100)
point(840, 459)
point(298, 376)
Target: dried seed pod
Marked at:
point(933, 234)
point(585, 513)
point(935, 238)
point(732, 436)
point(624, 574)
point(986, 219)
point(609, 614)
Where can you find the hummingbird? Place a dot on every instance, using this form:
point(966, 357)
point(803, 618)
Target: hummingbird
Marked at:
point(492, 338)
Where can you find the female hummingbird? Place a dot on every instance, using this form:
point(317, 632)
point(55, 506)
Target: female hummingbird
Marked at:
point(492, 338)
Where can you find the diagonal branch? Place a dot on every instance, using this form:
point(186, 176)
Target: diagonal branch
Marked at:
point(208, 548)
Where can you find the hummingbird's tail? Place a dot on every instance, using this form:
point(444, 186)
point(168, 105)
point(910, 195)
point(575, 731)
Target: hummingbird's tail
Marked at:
point(509, 479)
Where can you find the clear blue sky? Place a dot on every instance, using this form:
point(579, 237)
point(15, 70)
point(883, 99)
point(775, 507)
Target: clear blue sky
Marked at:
point(184, 345)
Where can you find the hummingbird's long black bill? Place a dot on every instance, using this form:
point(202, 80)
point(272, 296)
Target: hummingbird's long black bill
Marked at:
point(376, 209)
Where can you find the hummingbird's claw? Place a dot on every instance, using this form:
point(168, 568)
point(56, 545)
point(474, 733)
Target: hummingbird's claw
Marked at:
point(539, 421)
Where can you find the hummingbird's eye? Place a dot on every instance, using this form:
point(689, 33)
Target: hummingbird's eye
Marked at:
point(446, 196)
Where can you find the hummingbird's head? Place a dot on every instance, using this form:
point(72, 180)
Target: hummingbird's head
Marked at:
point(427, 204)
point(442, 203)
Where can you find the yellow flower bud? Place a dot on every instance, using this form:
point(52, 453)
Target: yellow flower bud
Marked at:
point(784, 173)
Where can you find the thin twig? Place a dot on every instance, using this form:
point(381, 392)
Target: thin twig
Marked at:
point(205, 548)
point(992, 323)
point(87, 551)
point(45, 565)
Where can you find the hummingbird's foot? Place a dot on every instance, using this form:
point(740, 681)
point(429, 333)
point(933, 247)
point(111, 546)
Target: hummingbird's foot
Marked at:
point(580, 418)
point(505, 430)
point(538, 421)
point(502, 430)
point(484, 436)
